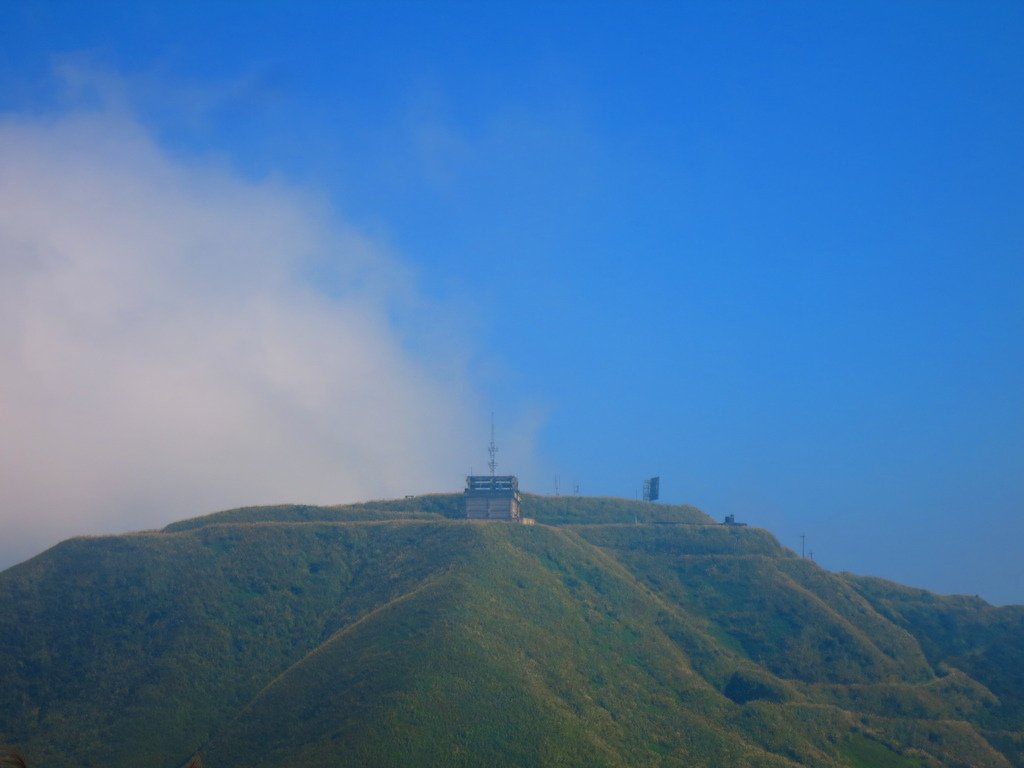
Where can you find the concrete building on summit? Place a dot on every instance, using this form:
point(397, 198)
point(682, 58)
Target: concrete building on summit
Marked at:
point(492, 497)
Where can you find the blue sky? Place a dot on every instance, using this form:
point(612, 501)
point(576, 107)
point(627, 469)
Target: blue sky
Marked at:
point(769, 251)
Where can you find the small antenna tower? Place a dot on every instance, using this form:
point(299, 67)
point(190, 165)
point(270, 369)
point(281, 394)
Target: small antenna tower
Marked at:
point(492, 449)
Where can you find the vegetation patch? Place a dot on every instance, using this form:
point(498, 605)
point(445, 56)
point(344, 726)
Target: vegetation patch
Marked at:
point(747, 686)
point(863, 752)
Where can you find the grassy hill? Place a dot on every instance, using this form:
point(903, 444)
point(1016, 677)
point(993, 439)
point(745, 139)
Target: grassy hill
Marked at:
point(613, 633)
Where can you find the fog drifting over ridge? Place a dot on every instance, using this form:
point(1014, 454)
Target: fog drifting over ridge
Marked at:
point(166, 351)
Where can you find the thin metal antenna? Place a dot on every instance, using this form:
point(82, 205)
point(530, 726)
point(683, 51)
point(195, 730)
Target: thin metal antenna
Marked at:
point(802, 537)
point(492, 449)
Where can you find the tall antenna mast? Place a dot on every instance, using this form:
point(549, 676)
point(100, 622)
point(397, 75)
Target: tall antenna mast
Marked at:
point(492, 449)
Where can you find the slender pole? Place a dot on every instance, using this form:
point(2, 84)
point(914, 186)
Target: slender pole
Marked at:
point(492, 449)
point(802, 537)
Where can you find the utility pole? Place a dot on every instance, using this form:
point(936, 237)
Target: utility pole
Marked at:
point(802, 537)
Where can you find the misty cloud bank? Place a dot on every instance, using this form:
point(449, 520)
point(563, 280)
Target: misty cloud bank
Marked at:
point(167, 350)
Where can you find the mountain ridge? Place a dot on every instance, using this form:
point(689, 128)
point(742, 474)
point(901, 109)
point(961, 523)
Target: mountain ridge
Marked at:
point(613, 632)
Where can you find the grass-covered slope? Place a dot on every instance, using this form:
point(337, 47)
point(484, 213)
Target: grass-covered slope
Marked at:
point(549, 510)
point(534, 651)
point(433, 507)
point(977, 641)
point(129, 650)
point(393, 633)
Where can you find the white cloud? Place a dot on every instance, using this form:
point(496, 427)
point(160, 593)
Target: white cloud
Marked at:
point(165, 352)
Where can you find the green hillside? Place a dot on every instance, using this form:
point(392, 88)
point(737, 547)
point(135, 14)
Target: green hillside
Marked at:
point(549, 510)
point(389, 633)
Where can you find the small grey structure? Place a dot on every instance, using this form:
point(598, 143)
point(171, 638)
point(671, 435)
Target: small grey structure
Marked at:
point(652, 489)
point(492, 497)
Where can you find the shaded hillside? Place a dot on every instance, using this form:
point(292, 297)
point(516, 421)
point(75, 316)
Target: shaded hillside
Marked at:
point(969, 635)
point(392, 633)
